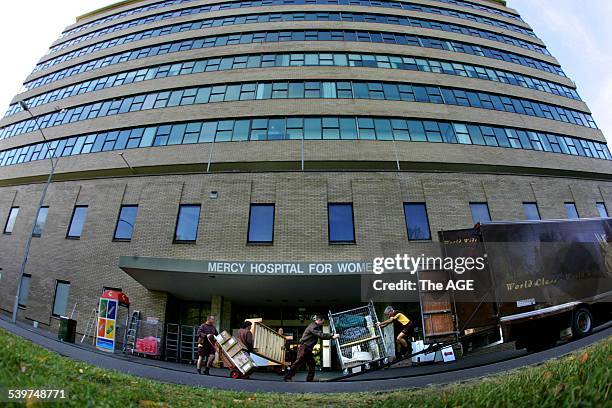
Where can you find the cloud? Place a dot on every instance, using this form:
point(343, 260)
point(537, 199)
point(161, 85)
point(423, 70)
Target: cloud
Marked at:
point(578, 36)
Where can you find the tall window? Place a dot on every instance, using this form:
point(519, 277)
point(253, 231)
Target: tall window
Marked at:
point(187, 224)
point(125, 223)
point(77, 222)
point(532, 212)
point(10, 221)
point(572, 211)
point(341, 225)
point(480, 212)
point(417, 222)
point(602, 210)
point(261, 224)
point(41, 220)
point(60, 301)
point(24, 290)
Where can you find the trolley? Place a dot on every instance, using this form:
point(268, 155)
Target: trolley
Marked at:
point(234, 356)
point(361, 345)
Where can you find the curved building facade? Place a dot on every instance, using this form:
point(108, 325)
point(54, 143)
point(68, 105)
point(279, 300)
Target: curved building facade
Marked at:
point(247, 158)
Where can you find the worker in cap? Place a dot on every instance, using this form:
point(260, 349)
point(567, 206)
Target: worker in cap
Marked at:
point(403, 325)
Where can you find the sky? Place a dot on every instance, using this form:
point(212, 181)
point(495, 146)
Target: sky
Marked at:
point(576, 32)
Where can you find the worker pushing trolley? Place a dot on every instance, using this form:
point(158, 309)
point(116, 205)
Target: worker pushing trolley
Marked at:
point(360, 343)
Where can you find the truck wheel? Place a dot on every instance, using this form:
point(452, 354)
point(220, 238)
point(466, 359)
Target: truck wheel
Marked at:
point(582, 322)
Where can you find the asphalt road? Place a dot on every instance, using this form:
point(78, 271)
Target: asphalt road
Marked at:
point(384, 380)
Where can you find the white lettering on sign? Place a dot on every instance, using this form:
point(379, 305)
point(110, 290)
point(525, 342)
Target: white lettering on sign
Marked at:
point(276, 268)
point(226, 267)
point(290, 268)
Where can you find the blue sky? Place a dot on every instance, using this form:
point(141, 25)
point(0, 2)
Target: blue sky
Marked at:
point(577, 32)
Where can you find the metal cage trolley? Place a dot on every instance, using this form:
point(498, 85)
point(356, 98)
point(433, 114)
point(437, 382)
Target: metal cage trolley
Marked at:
point(361, 345)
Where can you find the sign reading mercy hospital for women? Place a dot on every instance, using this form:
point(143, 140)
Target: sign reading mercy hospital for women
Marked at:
point(246, 267)
point(289, 268)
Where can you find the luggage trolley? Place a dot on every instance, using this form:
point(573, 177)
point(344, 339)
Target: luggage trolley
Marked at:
point(361, 344)
point(234, 356)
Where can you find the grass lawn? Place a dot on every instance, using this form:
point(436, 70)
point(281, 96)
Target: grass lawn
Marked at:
point(583, 379)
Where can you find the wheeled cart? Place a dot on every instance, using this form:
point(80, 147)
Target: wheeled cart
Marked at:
point(361, 344)
point(234, 356)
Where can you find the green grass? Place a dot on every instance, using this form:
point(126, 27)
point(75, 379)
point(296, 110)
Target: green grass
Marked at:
point(582, 379)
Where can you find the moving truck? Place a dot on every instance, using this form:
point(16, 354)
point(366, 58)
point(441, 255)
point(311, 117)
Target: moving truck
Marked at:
point(542, 281)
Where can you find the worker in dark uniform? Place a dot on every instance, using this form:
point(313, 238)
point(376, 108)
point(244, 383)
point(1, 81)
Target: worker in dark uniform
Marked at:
point(246, 336)
point(403, 325)
point(206, 350)
point(309, 339)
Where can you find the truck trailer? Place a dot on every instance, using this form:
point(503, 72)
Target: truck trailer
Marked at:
point(542, 281)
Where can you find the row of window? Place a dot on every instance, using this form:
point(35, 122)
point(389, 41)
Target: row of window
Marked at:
point(295, 60)
point(260, 3)
point(295, 35)
point(306, 128)
point(367, 3)
point(299, 90)
point(289, 16)
point(341, 228)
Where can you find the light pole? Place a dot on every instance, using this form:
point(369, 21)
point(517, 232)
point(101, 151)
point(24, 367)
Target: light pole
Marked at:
point(25, 108)
point(128, 164)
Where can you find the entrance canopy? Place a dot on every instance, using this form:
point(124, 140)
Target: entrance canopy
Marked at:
point(257, 283)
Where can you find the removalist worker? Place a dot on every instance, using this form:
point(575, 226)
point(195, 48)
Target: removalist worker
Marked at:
point(246, 336)
point(309, 339)
point(206, 350)
point(404, 325)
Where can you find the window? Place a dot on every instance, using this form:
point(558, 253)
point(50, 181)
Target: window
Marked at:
point(41, 219)
point(480, 212)
point(417, 222)
point(187, 224)
point(125, 223)
point(572, 211)
point(261, 224)
point(60, 301)
point(602, 210)
point(340, 224)
point(531, 211)
point(10, 222)
point(24, 289)
point(77, 222)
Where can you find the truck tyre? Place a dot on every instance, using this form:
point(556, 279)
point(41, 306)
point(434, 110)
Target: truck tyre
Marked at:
point(582, 322)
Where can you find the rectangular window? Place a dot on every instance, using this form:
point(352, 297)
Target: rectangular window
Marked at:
point(261, 224)
point(10, 221)
point(60, 302)
point(572, 211)
point(602, 210)
point(480, 213)
point(24, 289)
point(187, 224)
point(340, 224)
point(77, 222)
point(532, 212)
point(417, 222)
point(125, 223)
point(41, 220)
